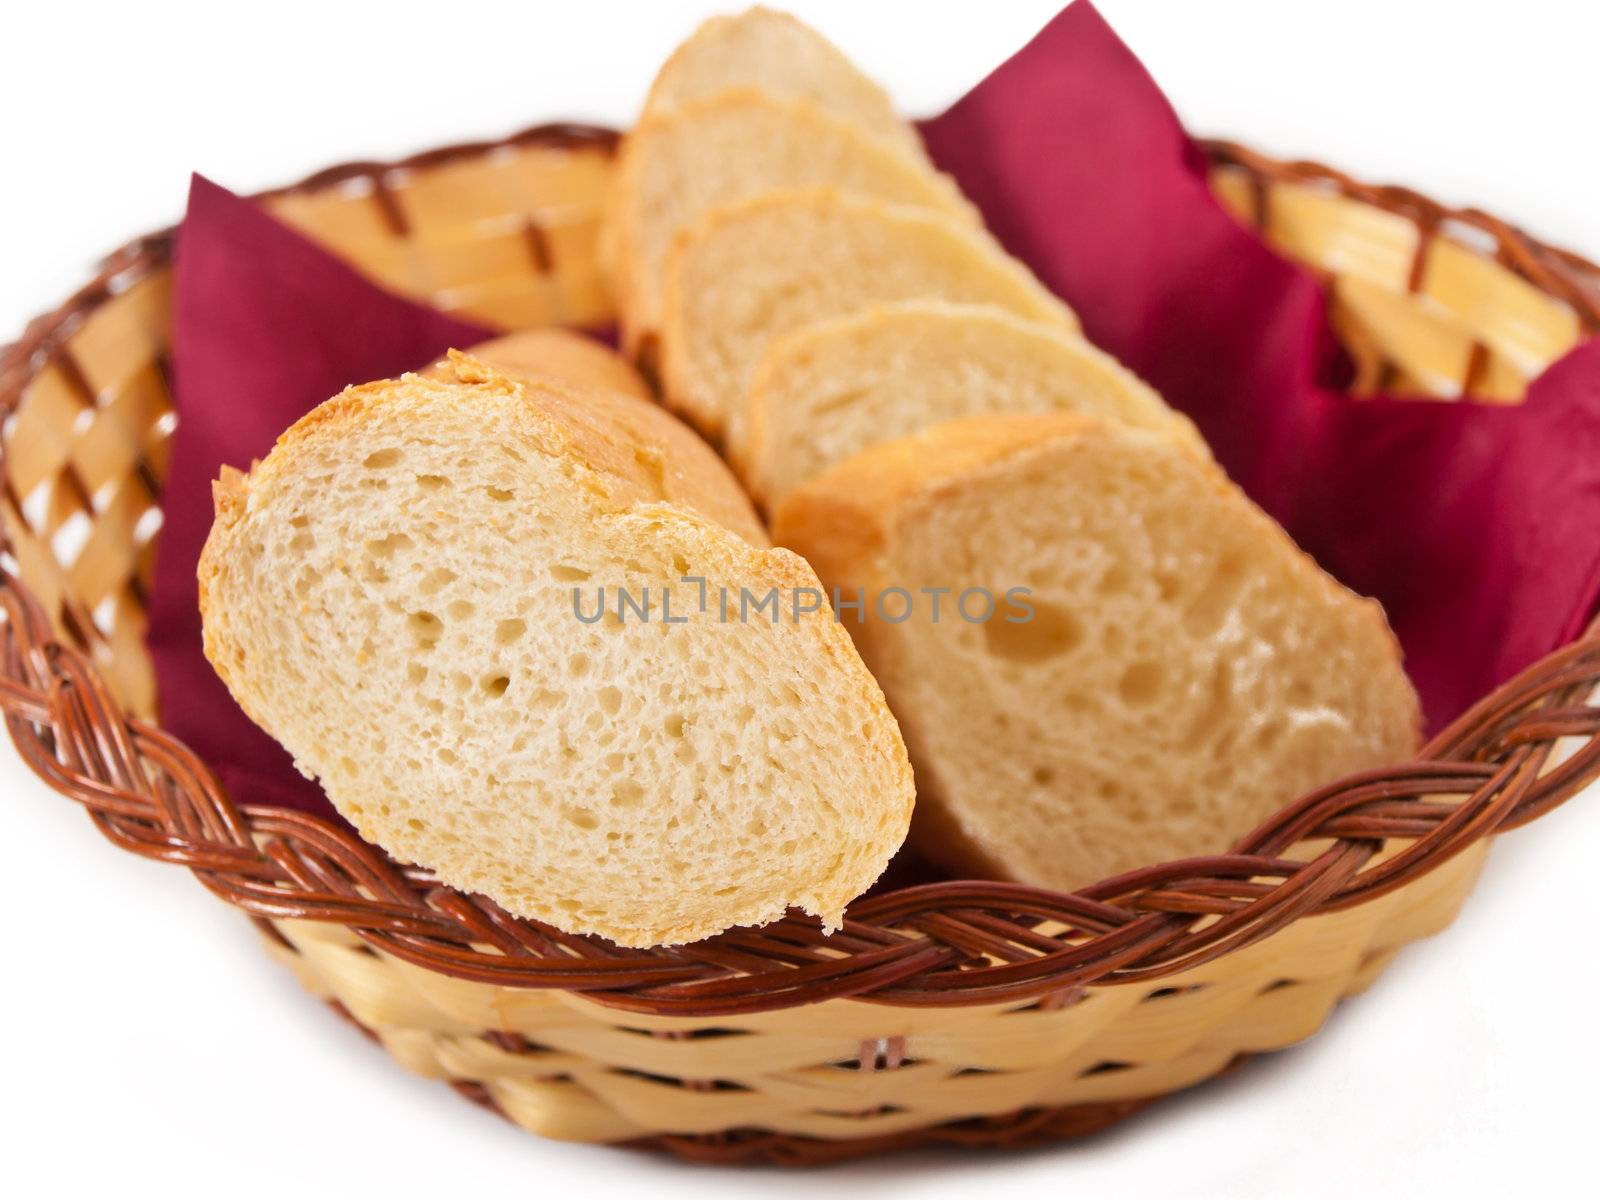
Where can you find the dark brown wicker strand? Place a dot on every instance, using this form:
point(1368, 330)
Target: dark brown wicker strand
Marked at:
point(956, 943)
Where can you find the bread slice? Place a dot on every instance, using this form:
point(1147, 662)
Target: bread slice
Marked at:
point(556, 356)
point(676, 166)
point(395, 594)
point(1186, 670)
point(783, 56)
point(751, 273)
point(834, 388)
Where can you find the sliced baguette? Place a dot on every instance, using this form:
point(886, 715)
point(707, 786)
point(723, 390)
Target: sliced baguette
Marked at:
point(1187, 669)
point(556, 356)
point(751, 273)
point(391, 594)
point(676, 166)
point(783, 56)
point(834, 388)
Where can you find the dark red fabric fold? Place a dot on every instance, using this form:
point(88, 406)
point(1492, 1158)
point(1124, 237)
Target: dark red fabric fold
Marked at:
point(1477, 526)
point(266, 326)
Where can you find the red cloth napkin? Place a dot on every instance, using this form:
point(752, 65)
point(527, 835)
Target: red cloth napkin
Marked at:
point(1477, 526)
point(265, 326)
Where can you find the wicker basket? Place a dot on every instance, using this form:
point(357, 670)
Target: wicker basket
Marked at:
point(965, 1012)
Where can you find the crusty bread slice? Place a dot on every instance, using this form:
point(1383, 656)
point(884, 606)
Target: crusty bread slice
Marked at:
point(675, 166)
point(1186, 671)
point(395, 591)
point(834, 388)
point(750, 273)
point(556, 356)
point(782, 55)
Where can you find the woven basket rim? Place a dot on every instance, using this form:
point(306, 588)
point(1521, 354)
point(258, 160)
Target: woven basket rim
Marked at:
point(953, 943)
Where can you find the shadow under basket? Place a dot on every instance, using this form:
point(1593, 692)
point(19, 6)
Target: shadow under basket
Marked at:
point(962, 1012)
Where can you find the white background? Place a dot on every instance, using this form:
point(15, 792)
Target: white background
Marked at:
point(149, 1046)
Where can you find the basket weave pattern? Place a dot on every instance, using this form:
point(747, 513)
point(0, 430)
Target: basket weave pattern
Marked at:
point(965, 1011)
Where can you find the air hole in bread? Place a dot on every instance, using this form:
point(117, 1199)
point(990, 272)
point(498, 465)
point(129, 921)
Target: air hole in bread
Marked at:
point(578, 665)
point(650, 461)
point(425, 629)
point(1269, 732)
point(675, 725)
point(384, 547)
point(627, 793)
point(436, 579)
point(510, 630)
point(1117, 580)
point(496, 685)
point(1051, 633)
point(610, 700)
point(581, 817)
point(1140, 684)
point(379, 459)
point(565, 574)
point(1210, 608)
point(499, 493)
point(432, 483)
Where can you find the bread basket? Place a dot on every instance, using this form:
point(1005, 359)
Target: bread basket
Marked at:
point(963, 1012)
